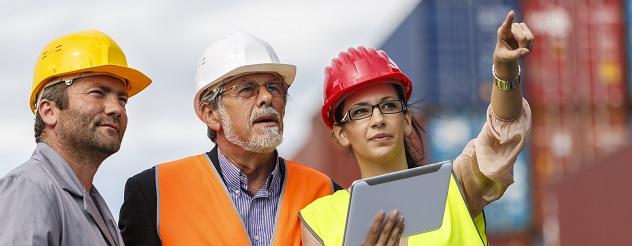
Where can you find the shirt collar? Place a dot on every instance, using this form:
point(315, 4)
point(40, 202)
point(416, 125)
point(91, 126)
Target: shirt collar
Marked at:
point(236, 180)
point(59, 168)
point(93, 203)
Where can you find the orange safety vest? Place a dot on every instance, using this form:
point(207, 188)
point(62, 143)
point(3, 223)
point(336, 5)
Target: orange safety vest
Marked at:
point(194, 207)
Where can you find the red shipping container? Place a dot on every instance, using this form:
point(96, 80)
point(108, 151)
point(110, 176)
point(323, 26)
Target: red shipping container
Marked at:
point(566, 141)
point(571, 137)
point(579, 54)
point(521, 239)
point(593, 205)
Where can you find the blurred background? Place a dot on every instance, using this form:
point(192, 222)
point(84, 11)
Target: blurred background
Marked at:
point(569, 182)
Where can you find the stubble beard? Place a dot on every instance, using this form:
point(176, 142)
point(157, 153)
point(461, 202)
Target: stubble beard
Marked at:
point(79, 132)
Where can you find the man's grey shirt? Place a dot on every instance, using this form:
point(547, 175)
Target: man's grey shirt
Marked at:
point(42, 202)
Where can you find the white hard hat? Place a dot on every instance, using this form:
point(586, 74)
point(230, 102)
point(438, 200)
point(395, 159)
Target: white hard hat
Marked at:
point(239, 53)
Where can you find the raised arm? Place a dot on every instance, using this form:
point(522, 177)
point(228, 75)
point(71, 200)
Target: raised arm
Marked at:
point(485, 168)
point(514, 41)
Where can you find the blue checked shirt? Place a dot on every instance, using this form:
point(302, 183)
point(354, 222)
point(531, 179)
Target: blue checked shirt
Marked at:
point(257, 211)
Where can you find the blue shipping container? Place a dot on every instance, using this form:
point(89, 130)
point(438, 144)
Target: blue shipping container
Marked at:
point(446, 48)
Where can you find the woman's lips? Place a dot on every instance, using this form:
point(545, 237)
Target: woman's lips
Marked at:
point(381, 137)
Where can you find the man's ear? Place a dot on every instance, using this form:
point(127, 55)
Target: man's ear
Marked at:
point(210, 116)
point(341, 136)
point(48, 111)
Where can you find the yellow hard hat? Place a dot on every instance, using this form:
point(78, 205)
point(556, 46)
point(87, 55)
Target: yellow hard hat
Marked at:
point(85, 51)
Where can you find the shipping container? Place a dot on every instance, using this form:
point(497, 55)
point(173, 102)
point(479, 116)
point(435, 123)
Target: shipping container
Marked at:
point(446, 48)
point(579, 55)
point(576, 86)
point(514, 239)
point(512, 213)
point(628, 42)
point(566, 141)
point(594, 205)
point(448, 133)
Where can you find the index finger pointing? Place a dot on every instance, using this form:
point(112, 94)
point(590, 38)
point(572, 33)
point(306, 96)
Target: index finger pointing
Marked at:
point(506, 26)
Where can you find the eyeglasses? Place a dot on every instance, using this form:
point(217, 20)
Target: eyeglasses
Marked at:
point(250, 89)
point(366, 110)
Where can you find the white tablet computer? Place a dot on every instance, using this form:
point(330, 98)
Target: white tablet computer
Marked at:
point(419, 194)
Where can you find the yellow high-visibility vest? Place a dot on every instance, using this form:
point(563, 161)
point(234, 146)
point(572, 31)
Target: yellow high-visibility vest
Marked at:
point(326, 218)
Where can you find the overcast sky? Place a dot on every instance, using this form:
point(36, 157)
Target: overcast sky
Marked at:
point(164, 39)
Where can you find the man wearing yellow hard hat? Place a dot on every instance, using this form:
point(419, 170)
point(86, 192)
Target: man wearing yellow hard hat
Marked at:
point(81, 85)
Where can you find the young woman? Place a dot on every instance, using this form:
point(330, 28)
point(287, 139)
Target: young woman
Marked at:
point(366, 98)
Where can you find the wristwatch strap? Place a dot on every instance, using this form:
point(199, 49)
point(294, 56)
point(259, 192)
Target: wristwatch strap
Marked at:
point(506, 85)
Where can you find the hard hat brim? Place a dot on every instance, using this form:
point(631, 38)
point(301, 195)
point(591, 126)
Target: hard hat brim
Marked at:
point(287, 71)
point(136, 80)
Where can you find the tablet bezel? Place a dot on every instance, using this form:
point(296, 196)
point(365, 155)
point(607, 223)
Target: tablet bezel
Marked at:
point(433, 180)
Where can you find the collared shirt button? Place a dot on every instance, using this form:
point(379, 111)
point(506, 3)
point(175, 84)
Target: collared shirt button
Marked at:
point(257, 238)
point(237, 192)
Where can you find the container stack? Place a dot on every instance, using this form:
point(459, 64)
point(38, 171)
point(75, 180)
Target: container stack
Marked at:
point(576, 84)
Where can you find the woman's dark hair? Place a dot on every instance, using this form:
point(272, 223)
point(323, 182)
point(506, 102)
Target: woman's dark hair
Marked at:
point(413, 143)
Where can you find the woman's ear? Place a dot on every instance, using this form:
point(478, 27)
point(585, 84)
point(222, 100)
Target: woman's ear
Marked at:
point(211, 116)
point(48, 111)
point(340, 135)
point(408, 123)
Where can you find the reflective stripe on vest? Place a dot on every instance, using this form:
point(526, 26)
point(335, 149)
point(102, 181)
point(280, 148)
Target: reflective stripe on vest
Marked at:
point(326, 218)
point(194, 207)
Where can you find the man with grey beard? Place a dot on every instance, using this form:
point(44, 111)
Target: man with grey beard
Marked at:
point(241, 192)
point(80, 89)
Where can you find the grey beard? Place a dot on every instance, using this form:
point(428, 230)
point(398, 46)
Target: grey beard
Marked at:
point(257, 142)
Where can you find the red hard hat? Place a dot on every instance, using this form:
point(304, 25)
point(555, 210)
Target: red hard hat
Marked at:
point(354, 69)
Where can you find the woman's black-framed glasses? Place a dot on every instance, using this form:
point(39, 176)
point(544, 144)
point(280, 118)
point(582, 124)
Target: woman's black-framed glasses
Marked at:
point(250, 89)
point(364, 111)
